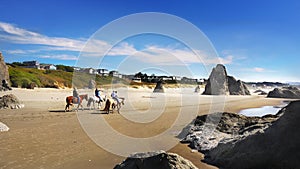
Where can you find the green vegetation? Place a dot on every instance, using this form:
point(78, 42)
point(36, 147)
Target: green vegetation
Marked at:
point(65, 68)
point(30, 78)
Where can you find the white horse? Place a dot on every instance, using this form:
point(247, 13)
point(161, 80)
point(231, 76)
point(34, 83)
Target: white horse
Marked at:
point(95, 99)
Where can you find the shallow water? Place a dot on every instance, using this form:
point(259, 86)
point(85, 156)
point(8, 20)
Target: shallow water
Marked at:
point(261, 111)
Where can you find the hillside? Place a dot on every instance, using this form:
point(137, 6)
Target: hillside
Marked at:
point(30, 78)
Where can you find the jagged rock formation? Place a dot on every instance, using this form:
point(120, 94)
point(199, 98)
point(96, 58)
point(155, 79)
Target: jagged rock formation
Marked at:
point(159, 88)
point(210, 130)
point(10, 102)
point(285, 92)
point(221, 84)
point(277, 147)
point(4, 75)
point(156, 160)
point(217, 83)
point(237, 87)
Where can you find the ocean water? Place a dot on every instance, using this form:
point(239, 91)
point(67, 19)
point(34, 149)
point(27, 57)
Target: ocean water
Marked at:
point(261, 111)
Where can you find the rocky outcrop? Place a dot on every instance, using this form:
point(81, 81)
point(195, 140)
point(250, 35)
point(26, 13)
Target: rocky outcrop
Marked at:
point(237, 87)
point(285, 92)
point(159, 88)
point(3, 127)
point(277, 147)
point(156, 160)
point(220, 128)
point(10, 102)
point(4, 75)
point(233, 141)
point(217, 83)
point(221, 84)
point(260, 92)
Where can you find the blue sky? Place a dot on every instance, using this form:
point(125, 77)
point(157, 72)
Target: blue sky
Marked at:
point(257, 40)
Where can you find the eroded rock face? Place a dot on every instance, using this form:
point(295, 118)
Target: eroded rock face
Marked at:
point(219, 83)
point(275, 146)
point(210, 130)
point(4, 75)
point(237, 87)
point(159, 88)
point(156, 160)
point(285, 92)
point(10, 102)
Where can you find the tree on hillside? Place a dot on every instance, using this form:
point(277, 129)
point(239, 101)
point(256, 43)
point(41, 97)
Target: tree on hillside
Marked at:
point(65, 68)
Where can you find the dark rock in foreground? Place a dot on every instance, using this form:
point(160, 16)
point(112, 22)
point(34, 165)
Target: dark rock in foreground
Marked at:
point(10, 102)
point(277, 147)
point(285, 92)
point(159, 88)
point(210, 130)
point(221, 84)
point(156, 160)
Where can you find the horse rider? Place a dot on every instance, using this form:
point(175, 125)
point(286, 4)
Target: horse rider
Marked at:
point(97, 94)
point(76, 95)
point(114, 95)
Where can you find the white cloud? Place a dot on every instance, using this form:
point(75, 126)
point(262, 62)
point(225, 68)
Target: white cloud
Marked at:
point(13, 34)
point(60, 57)
point(123, 49)
point(150, 54)
point(169, 56)
point(258, 69)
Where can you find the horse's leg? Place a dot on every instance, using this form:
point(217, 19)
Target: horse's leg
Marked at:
point(81, 106)
point(119, 107)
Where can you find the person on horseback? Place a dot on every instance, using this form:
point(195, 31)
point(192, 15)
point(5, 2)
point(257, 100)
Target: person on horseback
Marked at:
point(76, 95)
point(97, 94)
point(114, 95)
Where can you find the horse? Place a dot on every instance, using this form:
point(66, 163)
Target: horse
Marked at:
point(70, 100)
point(112, 104)
point(94, 99)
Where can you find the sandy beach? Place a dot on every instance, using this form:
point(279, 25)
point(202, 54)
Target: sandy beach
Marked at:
point(42, 135)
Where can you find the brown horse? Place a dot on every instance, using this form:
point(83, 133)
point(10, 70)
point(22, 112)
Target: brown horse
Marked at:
point(70, 100)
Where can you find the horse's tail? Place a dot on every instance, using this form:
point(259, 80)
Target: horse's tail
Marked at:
point(69, 100)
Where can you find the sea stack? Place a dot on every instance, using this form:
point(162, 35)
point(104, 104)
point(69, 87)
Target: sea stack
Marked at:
point(159, 88)
point(4, 75)
point(219, 83)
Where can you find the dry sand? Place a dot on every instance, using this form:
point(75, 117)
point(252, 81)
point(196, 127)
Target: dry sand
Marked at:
point(42, 135)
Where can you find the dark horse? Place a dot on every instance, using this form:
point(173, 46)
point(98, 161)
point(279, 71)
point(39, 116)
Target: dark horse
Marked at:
point(111, 105)
point(70, 100)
